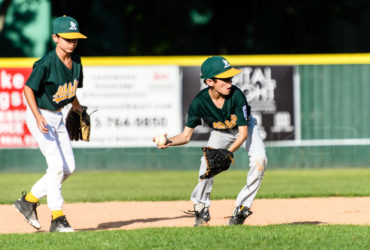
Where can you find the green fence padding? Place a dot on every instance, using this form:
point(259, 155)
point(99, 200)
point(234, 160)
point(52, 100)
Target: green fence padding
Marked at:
point(335, 101)
point(187, 158)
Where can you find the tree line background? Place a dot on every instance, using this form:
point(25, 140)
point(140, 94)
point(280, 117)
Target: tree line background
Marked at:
point(203, 27)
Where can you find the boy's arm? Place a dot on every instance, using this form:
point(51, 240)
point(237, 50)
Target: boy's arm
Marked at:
point(179, 139)
point(242, 136)
point(76, 105)
point(31, 100)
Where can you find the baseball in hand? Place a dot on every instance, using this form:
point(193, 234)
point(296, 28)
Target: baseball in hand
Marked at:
point(160, 140)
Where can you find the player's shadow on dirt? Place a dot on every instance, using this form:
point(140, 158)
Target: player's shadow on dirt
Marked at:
point(305, 223)
point(118, 224)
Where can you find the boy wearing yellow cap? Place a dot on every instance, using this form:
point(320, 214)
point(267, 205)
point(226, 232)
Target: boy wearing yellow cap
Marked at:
point(224, 108)
point(53, 84)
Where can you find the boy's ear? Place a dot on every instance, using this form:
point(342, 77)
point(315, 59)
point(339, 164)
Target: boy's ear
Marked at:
point(55, 38)
point(210, 82)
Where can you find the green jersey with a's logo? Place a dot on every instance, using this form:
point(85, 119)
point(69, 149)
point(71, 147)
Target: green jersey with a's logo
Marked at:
point(234, 112)
point(53, 83)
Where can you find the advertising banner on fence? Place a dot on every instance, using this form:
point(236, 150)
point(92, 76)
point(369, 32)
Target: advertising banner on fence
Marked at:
point(13, 127)
point(269, 92)
point(133, 103)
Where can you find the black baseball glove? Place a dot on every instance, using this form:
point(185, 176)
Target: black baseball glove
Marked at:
point(78, 124)
point(218, 160)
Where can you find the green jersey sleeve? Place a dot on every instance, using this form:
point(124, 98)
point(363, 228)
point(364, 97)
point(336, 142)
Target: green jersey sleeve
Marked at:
point(37, 76)
point(193, 119)
point(242, 109)
point(77, 60)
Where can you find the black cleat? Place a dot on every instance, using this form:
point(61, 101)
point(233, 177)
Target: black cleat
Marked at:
point(28, 210)
point(239, 216)
point(201, 215)
point(60, 224)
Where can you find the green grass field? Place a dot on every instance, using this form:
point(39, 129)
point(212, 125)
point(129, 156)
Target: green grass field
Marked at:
point(223, 237)
point(177, 185)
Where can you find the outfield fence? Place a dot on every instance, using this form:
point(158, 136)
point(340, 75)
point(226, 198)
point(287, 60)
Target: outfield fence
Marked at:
point(312, 111)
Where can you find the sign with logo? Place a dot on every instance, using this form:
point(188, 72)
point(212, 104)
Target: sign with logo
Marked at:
point(269, 92)
point(13, 127)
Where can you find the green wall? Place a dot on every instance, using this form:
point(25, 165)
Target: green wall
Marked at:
point(187, 158)
point(335, 101)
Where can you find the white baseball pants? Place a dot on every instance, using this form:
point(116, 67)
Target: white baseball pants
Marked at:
point(255, 148)
point(57, 150)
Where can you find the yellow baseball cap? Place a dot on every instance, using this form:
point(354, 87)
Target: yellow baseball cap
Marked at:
point(67, 27)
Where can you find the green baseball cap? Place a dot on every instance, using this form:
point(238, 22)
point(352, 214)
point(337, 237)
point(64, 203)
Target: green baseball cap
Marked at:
point(217, 67)
point(67, 27)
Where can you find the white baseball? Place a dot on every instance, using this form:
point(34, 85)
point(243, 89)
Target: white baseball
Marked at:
point(160, 140)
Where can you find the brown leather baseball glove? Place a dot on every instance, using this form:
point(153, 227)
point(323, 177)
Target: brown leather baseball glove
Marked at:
point(218, 160)
point(78, 124)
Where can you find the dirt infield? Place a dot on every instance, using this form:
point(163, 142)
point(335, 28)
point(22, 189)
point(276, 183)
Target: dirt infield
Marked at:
point(131, 215)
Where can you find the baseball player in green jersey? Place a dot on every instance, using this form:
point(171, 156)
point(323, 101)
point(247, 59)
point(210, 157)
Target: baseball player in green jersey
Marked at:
point(52, 84)
point(224, 108)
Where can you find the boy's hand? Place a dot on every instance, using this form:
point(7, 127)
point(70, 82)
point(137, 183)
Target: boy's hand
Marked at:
point(42, 124)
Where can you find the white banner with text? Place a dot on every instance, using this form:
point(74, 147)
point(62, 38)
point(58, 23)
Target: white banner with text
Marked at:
point(133, 103)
